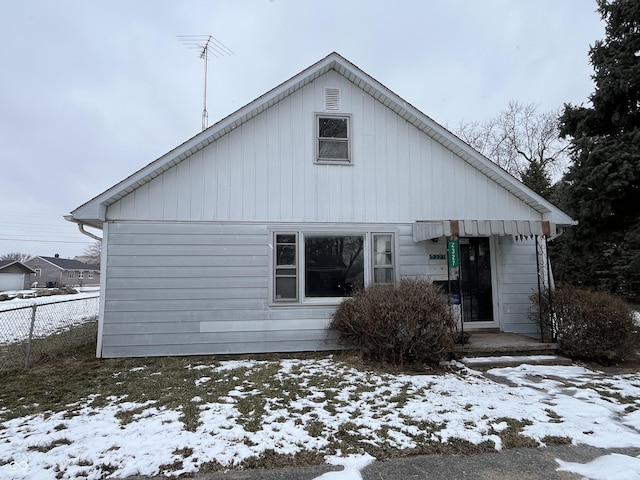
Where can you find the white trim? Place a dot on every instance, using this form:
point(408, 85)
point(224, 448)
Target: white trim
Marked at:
point(328, 161)
point(103, 288)
point(301, 230)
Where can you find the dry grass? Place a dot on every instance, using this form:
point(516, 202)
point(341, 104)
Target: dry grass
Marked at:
point(67, 381)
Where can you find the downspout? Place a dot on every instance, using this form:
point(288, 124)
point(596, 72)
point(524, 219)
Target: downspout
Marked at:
point(81, 228)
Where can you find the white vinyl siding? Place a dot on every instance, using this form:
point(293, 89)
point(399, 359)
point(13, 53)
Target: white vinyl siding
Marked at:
point(178, 288)
point(517, 281)
point(261, 172)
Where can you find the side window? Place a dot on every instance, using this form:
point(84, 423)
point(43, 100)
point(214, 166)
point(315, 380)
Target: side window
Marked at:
point(383, 258)
point(333, 139)
point(286, 267)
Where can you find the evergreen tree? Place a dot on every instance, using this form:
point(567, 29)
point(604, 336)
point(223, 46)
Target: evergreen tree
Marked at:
point(602, 187)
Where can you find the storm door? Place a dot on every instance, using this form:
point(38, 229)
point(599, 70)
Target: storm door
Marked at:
point(475, 266)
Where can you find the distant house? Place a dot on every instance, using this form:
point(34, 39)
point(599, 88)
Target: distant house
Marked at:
point(247, 236)
point(58, 272)
point(14, 275)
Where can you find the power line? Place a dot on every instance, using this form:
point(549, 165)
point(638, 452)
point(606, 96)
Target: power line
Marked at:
point(43, 241)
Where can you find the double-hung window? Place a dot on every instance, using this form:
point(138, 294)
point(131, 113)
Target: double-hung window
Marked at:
point(314, 265)
point(286, 267)
point(333, 139)
point(383, 268)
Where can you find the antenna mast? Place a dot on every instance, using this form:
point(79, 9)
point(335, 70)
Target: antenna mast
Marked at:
point(206, 46)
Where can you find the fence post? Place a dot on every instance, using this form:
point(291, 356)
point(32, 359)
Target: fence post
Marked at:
point(33, 321)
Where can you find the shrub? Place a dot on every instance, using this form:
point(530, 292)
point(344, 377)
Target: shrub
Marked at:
point(405, 323)
point(589, 325)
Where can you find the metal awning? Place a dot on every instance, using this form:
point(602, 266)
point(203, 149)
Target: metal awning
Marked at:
point(427, 230)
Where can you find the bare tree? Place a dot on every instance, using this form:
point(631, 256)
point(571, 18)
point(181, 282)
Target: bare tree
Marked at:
point(93, 252)
point(521, 140)
point(16, 257)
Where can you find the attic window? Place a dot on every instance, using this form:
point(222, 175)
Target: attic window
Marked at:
point(332, 99)
point(333, 133)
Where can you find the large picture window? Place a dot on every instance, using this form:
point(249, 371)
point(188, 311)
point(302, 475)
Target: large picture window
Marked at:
point(333, 139)
point(333, 265)
point(318, 266)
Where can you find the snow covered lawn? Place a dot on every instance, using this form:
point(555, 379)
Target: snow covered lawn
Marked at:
point(156, 416)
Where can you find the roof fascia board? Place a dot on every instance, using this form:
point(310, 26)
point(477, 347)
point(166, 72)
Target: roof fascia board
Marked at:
point(20, 264)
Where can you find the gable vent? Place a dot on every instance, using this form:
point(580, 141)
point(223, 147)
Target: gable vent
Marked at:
point(332, 99)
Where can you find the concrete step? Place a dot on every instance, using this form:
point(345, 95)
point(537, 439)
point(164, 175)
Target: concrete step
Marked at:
point(484, 363)
point(497, 344)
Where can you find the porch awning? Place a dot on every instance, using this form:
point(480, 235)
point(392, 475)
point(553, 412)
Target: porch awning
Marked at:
point(427, 230)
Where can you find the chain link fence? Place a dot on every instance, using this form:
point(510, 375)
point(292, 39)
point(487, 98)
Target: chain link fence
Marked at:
point(32, 333)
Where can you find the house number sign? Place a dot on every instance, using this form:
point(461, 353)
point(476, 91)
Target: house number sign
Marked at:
point(452, 253)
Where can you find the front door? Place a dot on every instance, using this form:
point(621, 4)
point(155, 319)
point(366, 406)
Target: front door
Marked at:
point(475, 270)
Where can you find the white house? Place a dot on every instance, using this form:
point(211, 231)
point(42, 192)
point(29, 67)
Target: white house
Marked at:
point(246, 237)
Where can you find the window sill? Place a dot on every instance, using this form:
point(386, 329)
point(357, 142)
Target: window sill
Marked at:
point(333, 162)
point(316, 302)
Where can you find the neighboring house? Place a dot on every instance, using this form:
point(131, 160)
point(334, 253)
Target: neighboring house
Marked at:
point(58, 272)
point(246, 237)
point(14, 275)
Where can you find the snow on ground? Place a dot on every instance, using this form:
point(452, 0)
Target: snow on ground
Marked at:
point(607, 467)
point(54, 313)
point(381, 410)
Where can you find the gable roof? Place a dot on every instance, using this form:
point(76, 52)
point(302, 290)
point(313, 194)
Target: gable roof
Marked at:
point(93, 212)
point(4, 264)
point(68, 264)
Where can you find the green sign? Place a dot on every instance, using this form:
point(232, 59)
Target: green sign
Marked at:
point(452, 254)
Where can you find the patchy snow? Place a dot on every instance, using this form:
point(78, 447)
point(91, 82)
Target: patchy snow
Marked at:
point(382, 410)
point(352, 465)
point(479, 361)
point(607, 467)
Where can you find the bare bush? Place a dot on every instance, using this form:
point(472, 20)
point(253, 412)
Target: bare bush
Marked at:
point(406, 323)
point(589, 325)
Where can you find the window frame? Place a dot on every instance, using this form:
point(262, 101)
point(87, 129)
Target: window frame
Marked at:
point(303, 232)
point(374, 253)
point(295, 267)
point(333, 161)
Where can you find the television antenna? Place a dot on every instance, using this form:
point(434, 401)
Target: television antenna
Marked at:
point(206, 46)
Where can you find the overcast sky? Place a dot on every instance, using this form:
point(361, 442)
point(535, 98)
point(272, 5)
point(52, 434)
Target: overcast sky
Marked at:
point(91, 91)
